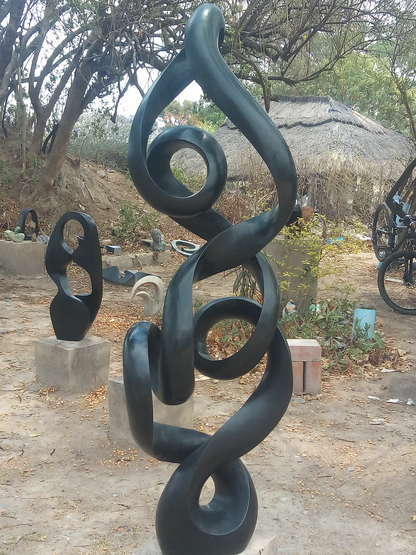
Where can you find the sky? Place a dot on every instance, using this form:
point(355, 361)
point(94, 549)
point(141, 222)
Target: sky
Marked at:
point(131, 100)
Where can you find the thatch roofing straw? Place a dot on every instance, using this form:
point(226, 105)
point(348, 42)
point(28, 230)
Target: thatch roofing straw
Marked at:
point(321, 133)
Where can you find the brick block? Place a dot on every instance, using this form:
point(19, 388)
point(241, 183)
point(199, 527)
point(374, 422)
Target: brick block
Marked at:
point(297, 377)
point(312, 377)
point(307, 366)
point(304, 350)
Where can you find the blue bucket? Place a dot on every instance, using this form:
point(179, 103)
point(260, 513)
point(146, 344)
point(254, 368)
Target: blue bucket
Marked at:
point(364, 316)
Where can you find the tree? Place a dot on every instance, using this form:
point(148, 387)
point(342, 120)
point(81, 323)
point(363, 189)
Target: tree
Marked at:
point(121, 39)
point(97, 138)
point(46, 86)
point(281, 41)
point(395, 48)
point(11, 18)
point(82, 51)
point(362, 82)
point(263, 34)
point(202, 113)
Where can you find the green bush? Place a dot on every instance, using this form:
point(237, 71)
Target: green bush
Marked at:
point(133, 221)
point(331, 324)
point(194, 181)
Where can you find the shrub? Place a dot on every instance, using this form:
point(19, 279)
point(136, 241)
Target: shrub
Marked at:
point(133, 221)
point(331, 324)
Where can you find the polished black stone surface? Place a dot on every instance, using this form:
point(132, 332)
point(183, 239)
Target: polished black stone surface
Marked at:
point(130, 277)
point(22, 222)
point(73, 315)
point(163, 361)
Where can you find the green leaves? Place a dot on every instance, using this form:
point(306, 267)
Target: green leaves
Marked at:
point(331, 323)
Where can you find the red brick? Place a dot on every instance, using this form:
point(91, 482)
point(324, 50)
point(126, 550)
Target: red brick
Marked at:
point(297, 378)
point(312, 377)
point(304, 350)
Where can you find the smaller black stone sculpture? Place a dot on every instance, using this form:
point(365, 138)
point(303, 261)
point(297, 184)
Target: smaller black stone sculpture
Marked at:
point(22, 223)
point(130, 277)
point(73, 315)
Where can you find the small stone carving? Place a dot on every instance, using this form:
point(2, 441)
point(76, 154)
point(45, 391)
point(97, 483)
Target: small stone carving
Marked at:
point(157, 244)
point(16, 236)
point(150, 306)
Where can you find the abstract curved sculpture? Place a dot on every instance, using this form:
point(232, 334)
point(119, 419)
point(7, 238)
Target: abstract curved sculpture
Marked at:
point(22, 222)
point(186, 248)
point(150, 306)
point(73, 315)
point(164, 361)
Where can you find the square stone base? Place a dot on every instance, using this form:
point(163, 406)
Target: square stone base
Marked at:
point(75, 366)
point(26, 259)
point(176, 415)
point(259, 545)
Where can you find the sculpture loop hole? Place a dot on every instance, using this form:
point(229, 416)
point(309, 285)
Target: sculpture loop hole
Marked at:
point(71, 232)
point(207, 492)
point(227, 337)
point(79, 281)
point(193, 179)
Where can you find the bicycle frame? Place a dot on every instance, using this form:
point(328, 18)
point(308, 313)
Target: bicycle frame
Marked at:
point(394, 234)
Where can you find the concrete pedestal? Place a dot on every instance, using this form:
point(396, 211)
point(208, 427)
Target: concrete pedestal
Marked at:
point(176, 415)
point(26, 259)
point(136, 261)
point(75, 366)
point(259, 545)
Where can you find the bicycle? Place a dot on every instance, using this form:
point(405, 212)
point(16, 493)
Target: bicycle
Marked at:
point(388, 229)
point(397, 274)
point(385, 230)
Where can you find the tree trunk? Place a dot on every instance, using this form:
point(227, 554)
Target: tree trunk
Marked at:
point(10, 35)
point(22, 118)
point(72, 111)
point(38, 133)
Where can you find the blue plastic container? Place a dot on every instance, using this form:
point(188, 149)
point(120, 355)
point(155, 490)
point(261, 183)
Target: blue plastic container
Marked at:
point(364, 316)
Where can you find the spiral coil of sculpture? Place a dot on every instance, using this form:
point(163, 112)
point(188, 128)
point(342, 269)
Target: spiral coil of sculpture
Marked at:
point(164, 361)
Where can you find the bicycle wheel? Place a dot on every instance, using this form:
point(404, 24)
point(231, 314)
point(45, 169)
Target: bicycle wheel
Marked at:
point(382, 228)
point(397, 281)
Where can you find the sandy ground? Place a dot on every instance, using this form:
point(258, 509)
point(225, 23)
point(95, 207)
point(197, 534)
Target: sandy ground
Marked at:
point(337, 476)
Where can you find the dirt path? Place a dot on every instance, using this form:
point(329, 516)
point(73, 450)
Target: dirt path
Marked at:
point(337, 476)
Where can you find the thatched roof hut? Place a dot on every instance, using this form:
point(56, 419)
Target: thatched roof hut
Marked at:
point(329, 142)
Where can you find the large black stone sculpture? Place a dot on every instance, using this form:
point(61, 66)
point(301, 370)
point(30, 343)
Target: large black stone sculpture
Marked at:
point(164, 361)
point(73, 315)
